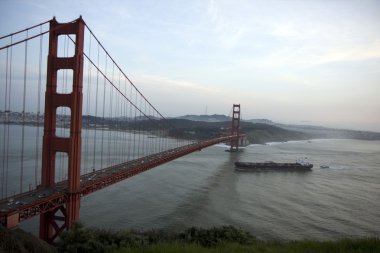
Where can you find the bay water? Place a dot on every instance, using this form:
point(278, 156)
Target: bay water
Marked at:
point(203, 189)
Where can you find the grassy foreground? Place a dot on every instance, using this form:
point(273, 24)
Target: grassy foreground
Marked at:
point(346, 246)
point(221, 239)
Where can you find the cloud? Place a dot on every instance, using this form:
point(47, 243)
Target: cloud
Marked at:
point(319, 36)
point(358, 53)
point(284, 30)
point(167, 83)
point(228, 29)
point(213, 11)
point(308, 55)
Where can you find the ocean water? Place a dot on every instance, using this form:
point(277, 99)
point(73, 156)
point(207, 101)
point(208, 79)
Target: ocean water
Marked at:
point(204, 190)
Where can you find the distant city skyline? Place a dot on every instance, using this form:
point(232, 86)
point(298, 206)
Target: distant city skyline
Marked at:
point(300, 62)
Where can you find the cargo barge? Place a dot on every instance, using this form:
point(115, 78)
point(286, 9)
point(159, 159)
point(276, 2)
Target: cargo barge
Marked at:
point(249, 166)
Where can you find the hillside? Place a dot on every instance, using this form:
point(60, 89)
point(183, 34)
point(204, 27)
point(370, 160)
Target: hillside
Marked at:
point(201, 127)
point(255, 132)
point(206, 118)
point(325, 132)
point(19, 241)
point(267, 130)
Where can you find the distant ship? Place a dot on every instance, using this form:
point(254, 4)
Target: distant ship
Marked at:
point(297, 166)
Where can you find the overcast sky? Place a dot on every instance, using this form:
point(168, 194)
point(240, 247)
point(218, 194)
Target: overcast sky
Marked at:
point(291, 61)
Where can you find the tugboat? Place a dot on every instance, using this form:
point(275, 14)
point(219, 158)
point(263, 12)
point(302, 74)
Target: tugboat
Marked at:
point(264, 166)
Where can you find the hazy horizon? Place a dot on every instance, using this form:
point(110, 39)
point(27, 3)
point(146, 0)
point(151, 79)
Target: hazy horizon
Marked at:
point(303, 123)
point(295, 62)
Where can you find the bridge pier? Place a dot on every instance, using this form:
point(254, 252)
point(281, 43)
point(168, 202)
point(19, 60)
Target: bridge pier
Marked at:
point(49, 228)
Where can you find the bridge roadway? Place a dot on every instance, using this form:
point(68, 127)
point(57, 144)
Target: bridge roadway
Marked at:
point(26, 205)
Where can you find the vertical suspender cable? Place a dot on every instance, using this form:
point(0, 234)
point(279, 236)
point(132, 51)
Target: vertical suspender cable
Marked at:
point(38, 111)
point(138, 130)
point(9, 110)
point(149, 132)
point(117, 118)
point(5, 155)
point(89, 72)
point(114, 122)
point(122, 124)
point(158, 133)
point(135, 128)
point(146, 130)
point(96, 112)
point(141, 142)
point(125, 122)
point(112, 136)
point(23, 115)
point(162, 141)
point(167, 137)
point(130, 127)
point(143, 133)
point(157, 130)
point(116, 132)
point(110, 119)
point(104, 103)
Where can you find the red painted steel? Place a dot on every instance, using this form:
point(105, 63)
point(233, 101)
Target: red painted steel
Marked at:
point(235, 127)
point(51, 143)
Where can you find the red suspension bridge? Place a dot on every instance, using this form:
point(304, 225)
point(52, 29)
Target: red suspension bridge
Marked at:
point(95, 129)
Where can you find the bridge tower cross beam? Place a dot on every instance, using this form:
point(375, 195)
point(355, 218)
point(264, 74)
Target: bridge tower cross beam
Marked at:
point(235, 127)
point(71, 145)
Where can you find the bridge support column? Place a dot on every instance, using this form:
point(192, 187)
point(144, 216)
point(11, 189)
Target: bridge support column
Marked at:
point(49, 228)
point(235, 127)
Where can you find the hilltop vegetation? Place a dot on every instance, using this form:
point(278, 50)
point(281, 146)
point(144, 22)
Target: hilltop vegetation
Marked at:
point(370, 245)
point(222, 239)
point(217, 239)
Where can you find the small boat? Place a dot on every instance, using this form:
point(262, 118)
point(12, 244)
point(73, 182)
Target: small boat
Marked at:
point(297, 166)
point(324, 166)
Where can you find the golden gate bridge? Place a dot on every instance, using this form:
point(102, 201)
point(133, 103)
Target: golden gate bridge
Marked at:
point(94, 130)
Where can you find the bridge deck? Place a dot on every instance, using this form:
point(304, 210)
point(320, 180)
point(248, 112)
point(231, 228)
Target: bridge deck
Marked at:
point(26, 205)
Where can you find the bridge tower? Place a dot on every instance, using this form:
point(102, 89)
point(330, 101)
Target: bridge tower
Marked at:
point(235, 127)
point(53, 222)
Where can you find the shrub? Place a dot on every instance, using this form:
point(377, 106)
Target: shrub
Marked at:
point(213, 236)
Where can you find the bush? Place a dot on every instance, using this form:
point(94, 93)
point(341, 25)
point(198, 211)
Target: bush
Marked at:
point(80, 239)
point(213, 236)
